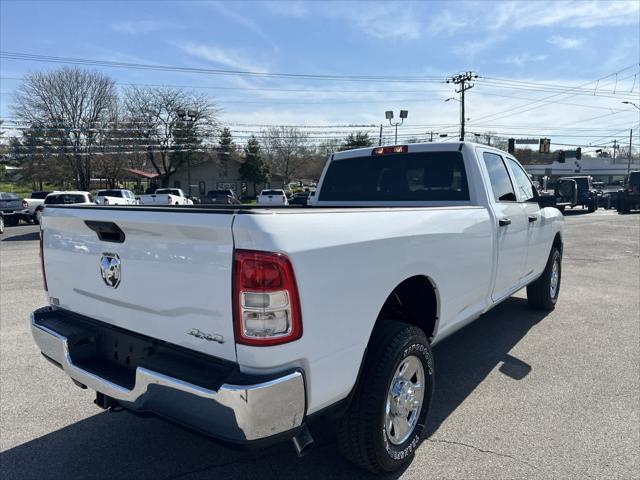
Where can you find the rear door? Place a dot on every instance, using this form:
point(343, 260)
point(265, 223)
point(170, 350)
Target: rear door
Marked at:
point(174, 272)
point(511, 227)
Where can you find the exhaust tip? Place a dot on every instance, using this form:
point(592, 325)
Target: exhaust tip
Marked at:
point(303, 442)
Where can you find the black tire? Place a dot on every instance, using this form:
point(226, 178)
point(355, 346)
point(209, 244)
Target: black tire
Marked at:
point(539, 293)
point(362, 433)
point(593, 206)
point(36, 217)
point(626, 208)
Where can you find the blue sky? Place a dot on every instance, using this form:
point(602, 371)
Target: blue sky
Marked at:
point(556, 43)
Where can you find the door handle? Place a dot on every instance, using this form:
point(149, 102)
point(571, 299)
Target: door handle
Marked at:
point(503, 222)
point(532, 218)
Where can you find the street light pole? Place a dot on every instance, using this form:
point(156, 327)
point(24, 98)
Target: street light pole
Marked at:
point(630, 137)
point(629, 160)
point(389, 115)
point(188, 117)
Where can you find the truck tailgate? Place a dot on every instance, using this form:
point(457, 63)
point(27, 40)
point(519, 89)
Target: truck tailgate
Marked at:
point(175, 272)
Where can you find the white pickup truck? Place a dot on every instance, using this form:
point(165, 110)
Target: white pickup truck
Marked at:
point(166, 196)
point(115, 196)
point(249, 323)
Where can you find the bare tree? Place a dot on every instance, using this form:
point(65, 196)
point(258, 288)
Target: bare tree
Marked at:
point(74, 103)
point(164, 135)
point(286, 150)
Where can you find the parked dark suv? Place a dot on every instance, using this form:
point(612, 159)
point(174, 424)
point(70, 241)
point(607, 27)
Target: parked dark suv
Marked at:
point(221, 197)
point(629, 197)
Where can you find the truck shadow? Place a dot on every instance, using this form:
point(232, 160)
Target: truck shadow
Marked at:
point(121, 445)
point(31, 236)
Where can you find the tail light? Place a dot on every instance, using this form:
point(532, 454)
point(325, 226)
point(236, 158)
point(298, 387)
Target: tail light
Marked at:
point(169, 199)
point(44, 274)
point(25, 204)
point(267, 308)
point(106, 201)
point(390, 149)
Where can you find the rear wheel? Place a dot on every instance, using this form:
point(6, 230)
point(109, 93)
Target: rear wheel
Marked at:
point(37, 217)
point(543, 293)
point(593, 206)
point(383, 425)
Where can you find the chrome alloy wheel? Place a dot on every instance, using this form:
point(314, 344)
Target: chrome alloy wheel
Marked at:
point(404, 400)
point(555, 278)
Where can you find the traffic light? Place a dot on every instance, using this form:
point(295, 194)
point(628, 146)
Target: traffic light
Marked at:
point(512, 145)
point(545, 145)
point(561, 156)
point(578, 153)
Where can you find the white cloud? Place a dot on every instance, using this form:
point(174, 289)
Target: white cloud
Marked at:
point(390, 20)
point(132, 27)
point(523, 59)
point(242, 20)
point(293, 9)
point(573, 14)
point(228, 57)
point(447, 23)
point(565, 42)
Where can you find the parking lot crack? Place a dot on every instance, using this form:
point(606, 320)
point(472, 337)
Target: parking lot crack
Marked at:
point(481, 450)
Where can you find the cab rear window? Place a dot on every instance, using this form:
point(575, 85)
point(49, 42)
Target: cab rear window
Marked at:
point(419, 176)
point(64, 199)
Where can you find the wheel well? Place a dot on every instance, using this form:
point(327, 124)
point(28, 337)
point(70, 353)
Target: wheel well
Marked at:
point(557, 242)
point(413, 301)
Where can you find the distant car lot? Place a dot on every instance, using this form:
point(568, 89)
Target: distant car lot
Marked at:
point(520, 394)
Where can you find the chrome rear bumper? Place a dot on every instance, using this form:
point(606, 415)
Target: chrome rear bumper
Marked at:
point(236, 413)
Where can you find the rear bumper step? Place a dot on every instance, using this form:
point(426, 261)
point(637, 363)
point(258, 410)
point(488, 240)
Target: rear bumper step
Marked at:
point(247, 409)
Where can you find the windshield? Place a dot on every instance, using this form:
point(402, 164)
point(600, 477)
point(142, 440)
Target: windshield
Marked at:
point(168, 191)
point(64, 198)
point(39, 195)
point(272, 192)
point(422, 176)
point(110, 193)
point(582, 183)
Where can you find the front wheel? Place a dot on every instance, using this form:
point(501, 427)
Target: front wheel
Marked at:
point(383, 425)
point(543, 293)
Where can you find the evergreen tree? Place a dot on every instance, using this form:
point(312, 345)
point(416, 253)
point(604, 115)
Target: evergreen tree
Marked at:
point(254, 169)
point(357, 140)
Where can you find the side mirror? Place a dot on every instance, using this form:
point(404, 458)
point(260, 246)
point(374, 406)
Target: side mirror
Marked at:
point(547, 201)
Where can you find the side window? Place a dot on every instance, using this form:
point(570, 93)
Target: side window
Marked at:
point(499, 178)
point(523, 183)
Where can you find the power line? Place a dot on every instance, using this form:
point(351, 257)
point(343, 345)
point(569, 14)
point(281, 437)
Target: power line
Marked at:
point(510, 111)
point(213, 71)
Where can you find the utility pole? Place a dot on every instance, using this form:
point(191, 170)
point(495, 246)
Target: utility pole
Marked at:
point(615, 147)
point(462, 79)
point(629, 161)
point(380, 139)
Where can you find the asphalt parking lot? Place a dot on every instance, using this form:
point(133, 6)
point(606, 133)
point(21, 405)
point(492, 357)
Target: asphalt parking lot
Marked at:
point(519, 393)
